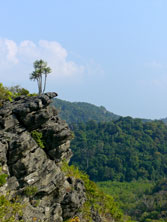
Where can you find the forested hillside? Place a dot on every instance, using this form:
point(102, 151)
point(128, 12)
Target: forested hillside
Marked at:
point(152, 205)
point(122, 150)
point(144, 201)
point(76, 112)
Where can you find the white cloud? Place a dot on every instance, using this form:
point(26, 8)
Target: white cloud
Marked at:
point(11, 51)
point(8, 51)
point(16, 60)
point(28, 50)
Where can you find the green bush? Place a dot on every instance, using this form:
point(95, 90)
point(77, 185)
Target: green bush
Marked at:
point(10, 211)
point(5, 94)
point(19, 91)
point(30, 191)
point(3, 179)
point(37, 136)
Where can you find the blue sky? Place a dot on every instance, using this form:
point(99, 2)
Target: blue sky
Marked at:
point(106, 52)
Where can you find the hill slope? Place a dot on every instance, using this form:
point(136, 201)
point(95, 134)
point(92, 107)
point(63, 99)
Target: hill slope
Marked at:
point(76, 112)
point(121, 150)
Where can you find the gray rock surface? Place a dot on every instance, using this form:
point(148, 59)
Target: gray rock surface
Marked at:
point(53, 197)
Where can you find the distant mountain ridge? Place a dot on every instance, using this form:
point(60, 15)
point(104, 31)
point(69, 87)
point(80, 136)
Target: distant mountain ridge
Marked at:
point(77, 112)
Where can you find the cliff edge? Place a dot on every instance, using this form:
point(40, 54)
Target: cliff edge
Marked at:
point(34, 142)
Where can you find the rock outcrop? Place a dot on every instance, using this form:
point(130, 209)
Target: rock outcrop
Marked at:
point(34, 173)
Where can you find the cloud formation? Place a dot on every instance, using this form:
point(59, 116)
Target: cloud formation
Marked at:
point(16, 59)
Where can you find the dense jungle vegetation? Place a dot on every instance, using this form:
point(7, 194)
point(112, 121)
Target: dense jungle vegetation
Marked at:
point(122, 150)
point(142, 200)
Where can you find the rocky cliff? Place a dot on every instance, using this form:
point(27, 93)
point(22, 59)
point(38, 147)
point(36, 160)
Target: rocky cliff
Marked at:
point(34, 170)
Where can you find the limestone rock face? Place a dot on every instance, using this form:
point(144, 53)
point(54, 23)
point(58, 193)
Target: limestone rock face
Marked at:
point(34, 173)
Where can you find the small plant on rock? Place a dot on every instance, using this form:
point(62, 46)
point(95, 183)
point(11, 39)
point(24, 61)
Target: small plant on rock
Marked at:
point(3, 177)
point(37, 136)
point(74, 219)
point(30, 191)
point(10, 210)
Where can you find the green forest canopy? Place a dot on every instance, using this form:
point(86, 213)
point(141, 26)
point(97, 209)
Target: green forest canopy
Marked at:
point(144, 201)
point(123, 150)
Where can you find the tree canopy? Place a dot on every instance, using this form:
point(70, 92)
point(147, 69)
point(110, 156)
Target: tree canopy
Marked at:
point(122, 150)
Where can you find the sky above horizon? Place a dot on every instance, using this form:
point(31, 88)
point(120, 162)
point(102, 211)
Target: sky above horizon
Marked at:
point(106, 52)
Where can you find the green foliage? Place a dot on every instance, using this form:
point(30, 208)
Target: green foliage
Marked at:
point(30, 191)
point(142, 200)
point(126, 194)
point(35, 203)
point(123, 150)
point(18, 91)
point(96, 199)
point(10, 211)
point(3, 179)
point(37, 136)
point(5, 94)
point(75, 219)
point(153, 205)
point(9, 93)
point(78, 112)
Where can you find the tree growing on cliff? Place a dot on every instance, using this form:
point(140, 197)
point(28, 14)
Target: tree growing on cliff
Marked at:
point(41, 69)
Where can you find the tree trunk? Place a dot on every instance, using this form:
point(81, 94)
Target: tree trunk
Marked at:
point(44, 83)
point(40, 84)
